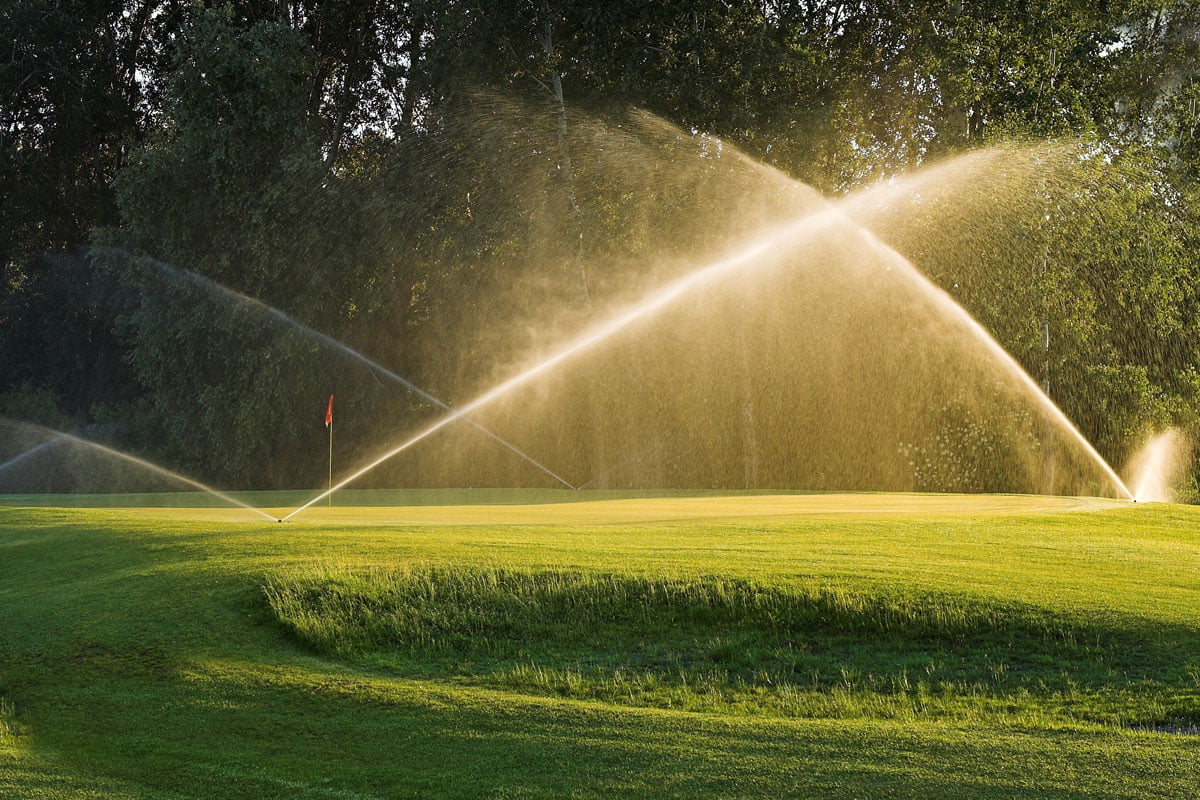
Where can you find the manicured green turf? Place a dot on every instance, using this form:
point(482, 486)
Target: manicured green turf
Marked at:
point(979, 647)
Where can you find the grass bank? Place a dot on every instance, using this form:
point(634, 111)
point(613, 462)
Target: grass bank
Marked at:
point(722, 645)
point(969, 654)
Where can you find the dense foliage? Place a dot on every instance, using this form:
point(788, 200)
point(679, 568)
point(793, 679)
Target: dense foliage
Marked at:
point(313, 156)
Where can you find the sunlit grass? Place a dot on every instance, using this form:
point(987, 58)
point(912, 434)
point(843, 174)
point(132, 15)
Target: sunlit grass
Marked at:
point(955, 650)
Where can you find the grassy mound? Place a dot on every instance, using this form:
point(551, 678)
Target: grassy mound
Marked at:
point(724, 644)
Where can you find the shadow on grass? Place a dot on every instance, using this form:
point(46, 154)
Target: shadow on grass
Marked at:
point(236, 729)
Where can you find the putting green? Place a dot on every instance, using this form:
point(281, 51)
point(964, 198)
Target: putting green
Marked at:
point(534, 507)
point(633, 511)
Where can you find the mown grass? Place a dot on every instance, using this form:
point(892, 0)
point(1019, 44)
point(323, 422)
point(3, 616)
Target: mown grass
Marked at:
point(554, 658)
point(726, 645)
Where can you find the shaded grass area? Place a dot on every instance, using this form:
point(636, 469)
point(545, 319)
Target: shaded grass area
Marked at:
point(733, 645)
point(141, 659)
point(232, 729)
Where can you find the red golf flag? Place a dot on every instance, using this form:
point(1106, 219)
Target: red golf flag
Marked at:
point(329, 413)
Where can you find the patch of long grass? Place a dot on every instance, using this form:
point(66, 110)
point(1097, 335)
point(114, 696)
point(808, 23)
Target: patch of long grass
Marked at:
point(733, 645)
point(8, 723)
point(469, 609)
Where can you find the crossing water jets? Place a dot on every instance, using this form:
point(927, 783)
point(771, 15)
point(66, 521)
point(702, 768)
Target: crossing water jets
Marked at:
point(223, 292)
point(830, 223)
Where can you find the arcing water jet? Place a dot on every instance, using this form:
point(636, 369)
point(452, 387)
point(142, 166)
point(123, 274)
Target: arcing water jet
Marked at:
point(60, 437)
point(1001, 356)
point(31, 452)
point(213, 287)
point(764, 250)
point(652, 304)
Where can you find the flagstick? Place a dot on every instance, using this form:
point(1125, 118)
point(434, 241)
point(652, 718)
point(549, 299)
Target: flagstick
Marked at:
point(331, 462)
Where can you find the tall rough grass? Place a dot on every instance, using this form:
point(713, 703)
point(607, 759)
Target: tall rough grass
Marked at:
point(8, 724)
point(342, 613)
point(718, 643)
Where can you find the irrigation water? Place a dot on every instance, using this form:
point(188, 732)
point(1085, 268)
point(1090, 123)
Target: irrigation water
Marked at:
point(1157, 466)
point(25, 455)
point(812, 355)
point(829, 224)
point(218, 290)
point(62, 438)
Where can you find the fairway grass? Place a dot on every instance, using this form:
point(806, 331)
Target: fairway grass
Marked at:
point(524, 646)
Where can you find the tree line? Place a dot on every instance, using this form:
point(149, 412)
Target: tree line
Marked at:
point(338, 161)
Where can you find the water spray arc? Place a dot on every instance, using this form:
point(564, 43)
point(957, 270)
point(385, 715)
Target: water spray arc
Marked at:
point(61, 436)
point(947, 304)
point(33, 451)
point(329, 341)
point(656, 301)
point(789, 233)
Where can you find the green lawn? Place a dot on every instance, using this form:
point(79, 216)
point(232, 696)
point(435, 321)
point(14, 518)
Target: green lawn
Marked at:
point(517, 645)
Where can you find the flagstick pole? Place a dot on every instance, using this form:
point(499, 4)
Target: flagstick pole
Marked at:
point(331, 463)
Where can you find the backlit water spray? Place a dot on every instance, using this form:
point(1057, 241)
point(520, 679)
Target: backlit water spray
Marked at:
point(60, 437)
point(761, 251)
point(33, 451)
point(1157, 467)
point(221, 290)
point(953, 310)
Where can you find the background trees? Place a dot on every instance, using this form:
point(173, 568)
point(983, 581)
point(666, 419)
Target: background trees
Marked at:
point(314, 155)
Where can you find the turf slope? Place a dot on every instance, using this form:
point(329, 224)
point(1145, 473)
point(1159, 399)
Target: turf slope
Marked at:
point(969, 647)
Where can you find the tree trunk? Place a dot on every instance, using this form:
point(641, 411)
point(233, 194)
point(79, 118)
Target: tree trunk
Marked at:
point(1049, 464)
point(412, 91)
point(565, 168)
point(339, 124)
point(749, 428)
point(343, 106)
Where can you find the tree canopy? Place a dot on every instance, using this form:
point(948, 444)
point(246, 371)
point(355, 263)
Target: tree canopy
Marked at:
point(339, 162)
